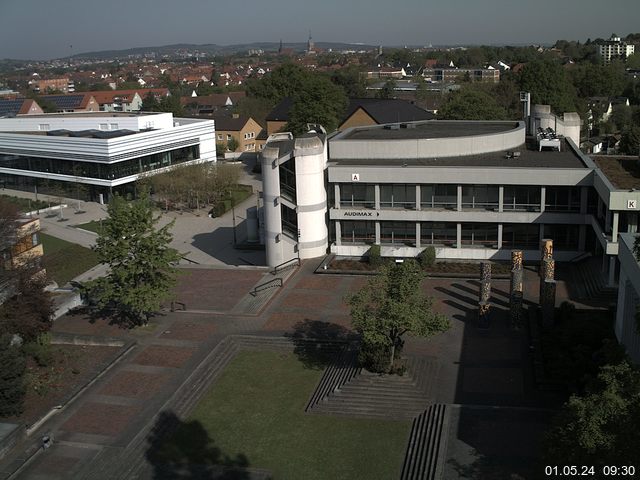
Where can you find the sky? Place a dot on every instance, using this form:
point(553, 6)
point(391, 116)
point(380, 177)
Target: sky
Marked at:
point(46, 29)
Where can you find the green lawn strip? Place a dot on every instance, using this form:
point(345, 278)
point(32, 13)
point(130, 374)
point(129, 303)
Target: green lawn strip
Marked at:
point(93, 226)
point(65, 260)
point(25, 204)
point(256, 409)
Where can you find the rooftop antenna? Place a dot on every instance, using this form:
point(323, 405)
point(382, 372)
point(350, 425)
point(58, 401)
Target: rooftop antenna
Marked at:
point(70, 54)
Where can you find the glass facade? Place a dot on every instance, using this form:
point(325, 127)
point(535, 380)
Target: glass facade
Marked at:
point(522, 198)
point(565, 237)
point(521, 235)
point(101, 171)
point(398, 233)
point(435, 233)
point(357, 195)
point(562, 199)
point(289, 222)
point(439, 196)
point(287, 172)
point(480, 235)
point(358, 232)
point(480, 197)
point(399, 195)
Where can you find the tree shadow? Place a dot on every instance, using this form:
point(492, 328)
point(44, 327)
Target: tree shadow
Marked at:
point(317, 343)
point(184, 450)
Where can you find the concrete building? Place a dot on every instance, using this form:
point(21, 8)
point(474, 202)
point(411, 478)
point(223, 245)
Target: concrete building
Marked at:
point(615, 48)
point(626, 326)
point(106, 153)
point(473, 190)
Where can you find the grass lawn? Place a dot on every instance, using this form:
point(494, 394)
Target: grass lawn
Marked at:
point(92, 226)
point(64, 260)
point(24, 204)
point(256, 409)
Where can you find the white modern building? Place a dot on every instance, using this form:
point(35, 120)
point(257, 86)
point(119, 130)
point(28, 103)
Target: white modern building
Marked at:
point(615, 48)
point(472, 190)
point(627, 326)
point(107, 152)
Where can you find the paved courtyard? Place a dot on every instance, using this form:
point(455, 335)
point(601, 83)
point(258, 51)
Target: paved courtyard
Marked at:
point(477, 367)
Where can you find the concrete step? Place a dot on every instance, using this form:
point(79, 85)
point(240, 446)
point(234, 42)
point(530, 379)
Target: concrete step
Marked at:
point(424, 454)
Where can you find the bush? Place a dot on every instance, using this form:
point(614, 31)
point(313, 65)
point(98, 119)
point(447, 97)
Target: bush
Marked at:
point(427, 257)
point(374, 357)
point(375, 258)
point(40, 350)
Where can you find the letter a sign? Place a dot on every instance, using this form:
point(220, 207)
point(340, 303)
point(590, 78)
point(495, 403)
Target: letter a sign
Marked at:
point(355, 177)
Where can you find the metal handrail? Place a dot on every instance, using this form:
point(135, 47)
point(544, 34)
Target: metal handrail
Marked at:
point(284, 265)
point(274, 282)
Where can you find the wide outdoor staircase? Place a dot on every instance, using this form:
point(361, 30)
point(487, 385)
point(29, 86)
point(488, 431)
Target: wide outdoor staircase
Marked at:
point(356, 392)
point(424, 456)
point(591, 283)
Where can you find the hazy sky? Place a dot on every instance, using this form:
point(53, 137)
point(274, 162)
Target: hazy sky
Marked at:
point(42, 29)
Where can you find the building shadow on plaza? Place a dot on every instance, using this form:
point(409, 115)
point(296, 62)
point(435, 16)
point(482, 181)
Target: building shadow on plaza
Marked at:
point(316, 343)
point(219, 244)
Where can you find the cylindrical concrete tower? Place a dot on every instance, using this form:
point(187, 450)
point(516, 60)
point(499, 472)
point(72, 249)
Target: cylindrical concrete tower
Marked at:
point(271, 195)
point(310, 157)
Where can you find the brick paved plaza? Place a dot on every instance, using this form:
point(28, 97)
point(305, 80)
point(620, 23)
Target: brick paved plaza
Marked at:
point(479, 367)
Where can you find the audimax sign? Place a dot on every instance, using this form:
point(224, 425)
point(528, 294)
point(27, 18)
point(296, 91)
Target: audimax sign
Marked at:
point(363, 213)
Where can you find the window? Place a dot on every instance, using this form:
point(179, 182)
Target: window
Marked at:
point(398, 232)
point(398, 196)
point(44, 127)
point(522, 197)
point(562, 199)
point(520, 235)
point(228, 137)
point(289, 222)
point(219, 136)
point(288, 179)
point(482, 235)
point(357, 195)
point(432, 233)
point(358, 232)
point(480, 197)
point(103, 126)
point(439, 196)
point(113, 126)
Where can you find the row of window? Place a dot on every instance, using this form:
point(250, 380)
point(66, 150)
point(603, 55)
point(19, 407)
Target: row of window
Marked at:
point(476, 197)
point(100, 170)
point(477, 235)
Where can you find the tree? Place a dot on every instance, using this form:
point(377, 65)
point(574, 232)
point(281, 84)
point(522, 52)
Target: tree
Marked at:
point(29, 310)
point(141, 263)
point(232, 144)
point(388, 89)
point(630, 141)
point(150, 103)
point(601, 426)
point(548, 84)
point(391, 305)
point(318, 101)
point(471, 104)
point(351, 80)
point(12, 368)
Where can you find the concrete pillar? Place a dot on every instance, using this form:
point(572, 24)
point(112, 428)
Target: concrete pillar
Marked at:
point(612, 271)
point(376, 196)
point(377, 233)
point(418, 198)
point(607, 220)
point(584, 197)
point(484, 312)
point(582, 237)
point(336, 193)
point(458, 235)
point(600, 206)
point(501, 198)
point(614, 228)
point(417, 234)
point(499, 236)
point(541, 231)
point(543, 198)
point(459, 198)
point(338, 232)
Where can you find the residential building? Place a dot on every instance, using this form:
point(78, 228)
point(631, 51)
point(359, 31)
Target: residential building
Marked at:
point(104, 152)
point(360, 112)
point(615, 48)
point(19, 106)
point(118, 100)
point(63, 85)
point(79, 102)
point(210, 104)
point(451, 75)
point(244, 130)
